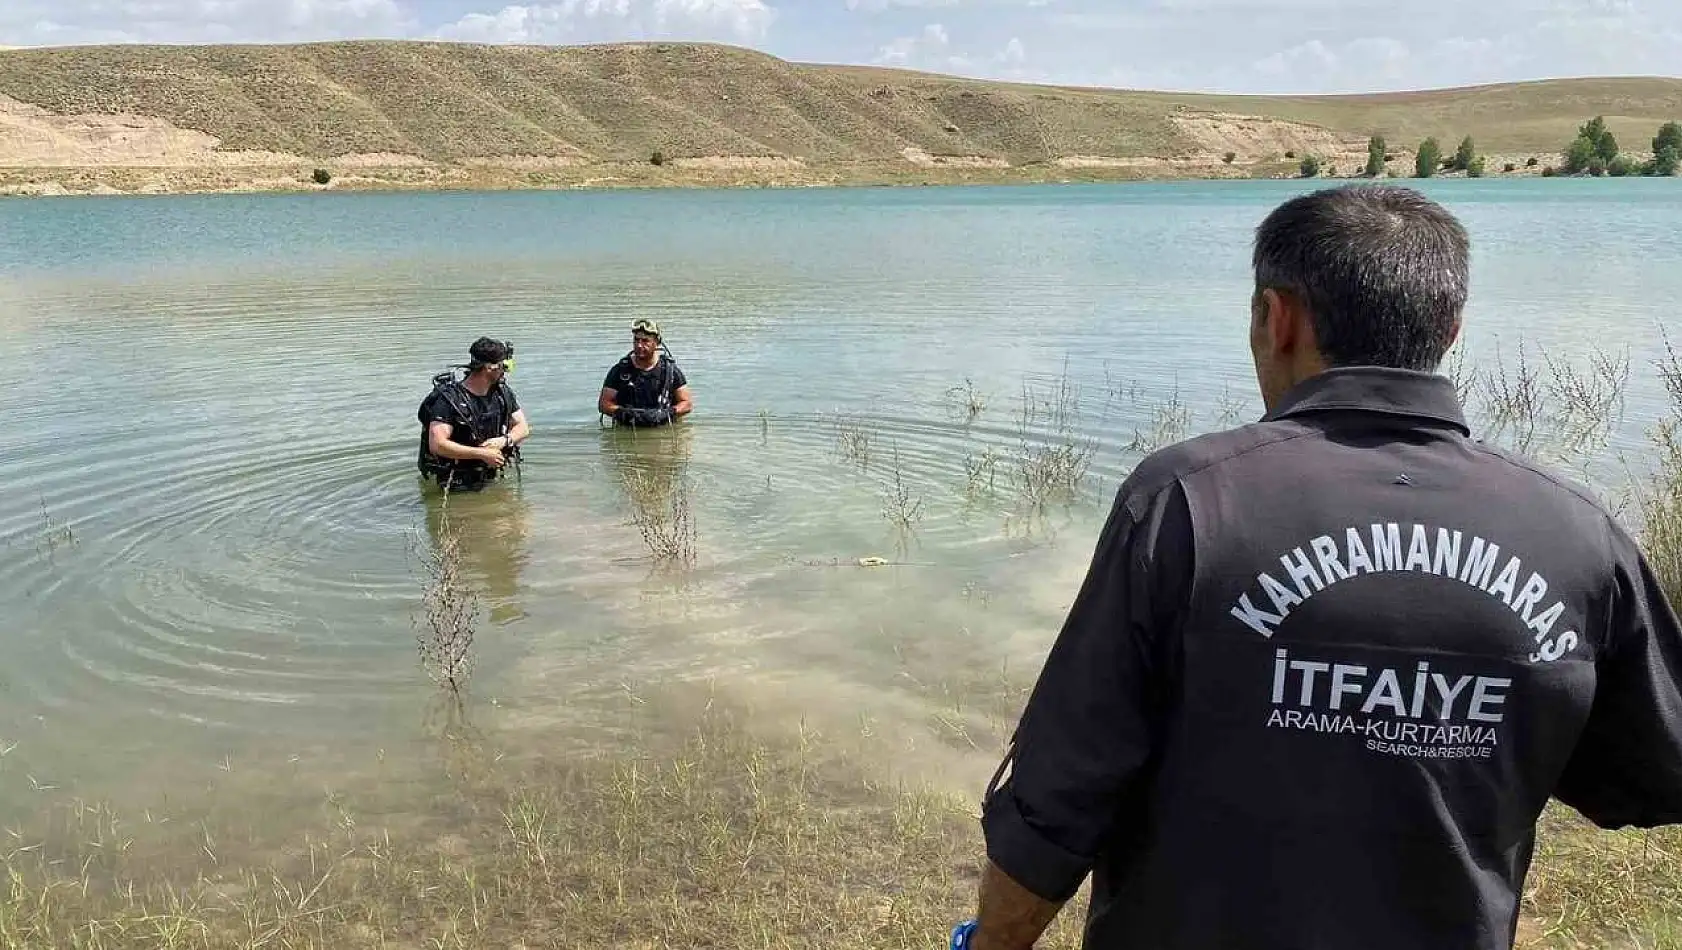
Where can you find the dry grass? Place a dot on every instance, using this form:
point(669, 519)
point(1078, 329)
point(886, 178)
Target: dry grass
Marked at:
point(623, 102)
point(723, 840)
point(1660, 502)
point(1594, 888)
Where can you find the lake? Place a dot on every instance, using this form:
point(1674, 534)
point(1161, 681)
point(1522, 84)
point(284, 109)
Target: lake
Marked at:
point(214, 536)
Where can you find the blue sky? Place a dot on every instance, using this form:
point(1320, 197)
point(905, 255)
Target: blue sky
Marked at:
point(1279, 46)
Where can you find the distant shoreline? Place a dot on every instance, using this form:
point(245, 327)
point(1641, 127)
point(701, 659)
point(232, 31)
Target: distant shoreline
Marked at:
point(719, 172)
point(218, 119)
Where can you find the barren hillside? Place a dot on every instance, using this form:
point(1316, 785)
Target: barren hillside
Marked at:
point(391, 104)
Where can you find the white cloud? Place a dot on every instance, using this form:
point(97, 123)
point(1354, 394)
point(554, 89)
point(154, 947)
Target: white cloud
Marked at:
point(587, 20)
point(932, 50)
point(877, 5)
point(1581, 38)
point(48, 22)
point(926, 47)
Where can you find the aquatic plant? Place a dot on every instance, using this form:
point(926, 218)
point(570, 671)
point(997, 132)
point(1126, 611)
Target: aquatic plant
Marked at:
point(852, 442)
point(1170, 421)
point(969, 401)
point(902, 508)
point(451, 611)
point(662, 513)
point(1553, 410)
point(1054, 457)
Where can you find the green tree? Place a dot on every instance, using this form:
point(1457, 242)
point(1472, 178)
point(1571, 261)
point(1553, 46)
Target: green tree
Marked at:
point(1375, 156)
point(1463, 156)
point(1310, 166)
point(1592, 150)
point(1606, 147)
point(1579, 154)
point(1622, 167)
point(1670, 136)
point(1605, 143)
point(322, 176)
point(1474, 168)
point(1667, 151)
point(1425, 163)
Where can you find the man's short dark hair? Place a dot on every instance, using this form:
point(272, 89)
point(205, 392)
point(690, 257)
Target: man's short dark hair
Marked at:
point(486, 351)
point(1383, 269)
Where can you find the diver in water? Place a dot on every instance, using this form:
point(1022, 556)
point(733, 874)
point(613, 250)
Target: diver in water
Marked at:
point(473, 426)
point(646, 388)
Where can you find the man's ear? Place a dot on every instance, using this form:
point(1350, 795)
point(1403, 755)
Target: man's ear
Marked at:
point(1277, 313)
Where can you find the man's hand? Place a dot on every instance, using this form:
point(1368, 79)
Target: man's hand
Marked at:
point(492, 456)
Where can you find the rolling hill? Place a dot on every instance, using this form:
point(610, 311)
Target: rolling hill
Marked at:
point(536, 111)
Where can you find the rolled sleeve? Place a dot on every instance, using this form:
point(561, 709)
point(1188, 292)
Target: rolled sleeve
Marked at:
point(1025, 853)
point(1090, 725)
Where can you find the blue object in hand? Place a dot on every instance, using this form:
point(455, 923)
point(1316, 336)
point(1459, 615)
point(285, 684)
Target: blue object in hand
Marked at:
point(963, 934)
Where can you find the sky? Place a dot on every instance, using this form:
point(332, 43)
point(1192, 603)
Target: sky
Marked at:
point(1239, 46)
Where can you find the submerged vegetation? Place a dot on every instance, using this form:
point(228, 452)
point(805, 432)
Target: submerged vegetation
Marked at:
point(699, 829)
point(451, 610)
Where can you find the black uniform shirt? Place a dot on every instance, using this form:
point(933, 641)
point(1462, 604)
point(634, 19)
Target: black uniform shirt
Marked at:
point(653, 388)
point(486, 415)
point(1322, 677)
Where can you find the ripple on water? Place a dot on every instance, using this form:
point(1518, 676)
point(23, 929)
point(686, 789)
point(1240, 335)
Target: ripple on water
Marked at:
point(209, 583)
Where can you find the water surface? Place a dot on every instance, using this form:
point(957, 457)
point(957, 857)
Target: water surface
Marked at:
point(213, 527)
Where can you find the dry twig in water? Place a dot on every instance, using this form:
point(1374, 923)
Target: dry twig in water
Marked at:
point(452, 611)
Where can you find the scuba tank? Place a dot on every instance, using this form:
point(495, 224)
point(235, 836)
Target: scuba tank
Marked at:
point(665, 395)
point(447, 386)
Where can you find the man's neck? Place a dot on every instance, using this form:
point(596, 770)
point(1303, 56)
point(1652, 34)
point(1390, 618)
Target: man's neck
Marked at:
point(647, 364)
point(477, 383)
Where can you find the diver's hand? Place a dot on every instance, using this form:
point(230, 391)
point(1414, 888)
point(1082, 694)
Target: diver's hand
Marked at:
point(492, 457)
point(499, 443)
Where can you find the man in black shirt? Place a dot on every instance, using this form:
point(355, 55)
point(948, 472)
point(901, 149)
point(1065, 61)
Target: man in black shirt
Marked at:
point(646, 388)
point(471, 427)
point(1326, 670)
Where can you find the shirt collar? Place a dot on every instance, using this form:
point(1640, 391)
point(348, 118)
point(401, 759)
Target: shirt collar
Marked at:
point(1381, 389)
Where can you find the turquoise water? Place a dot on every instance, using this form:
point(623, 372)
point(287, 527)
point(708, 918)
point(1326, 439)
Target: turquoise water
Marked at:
point(213, 527)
